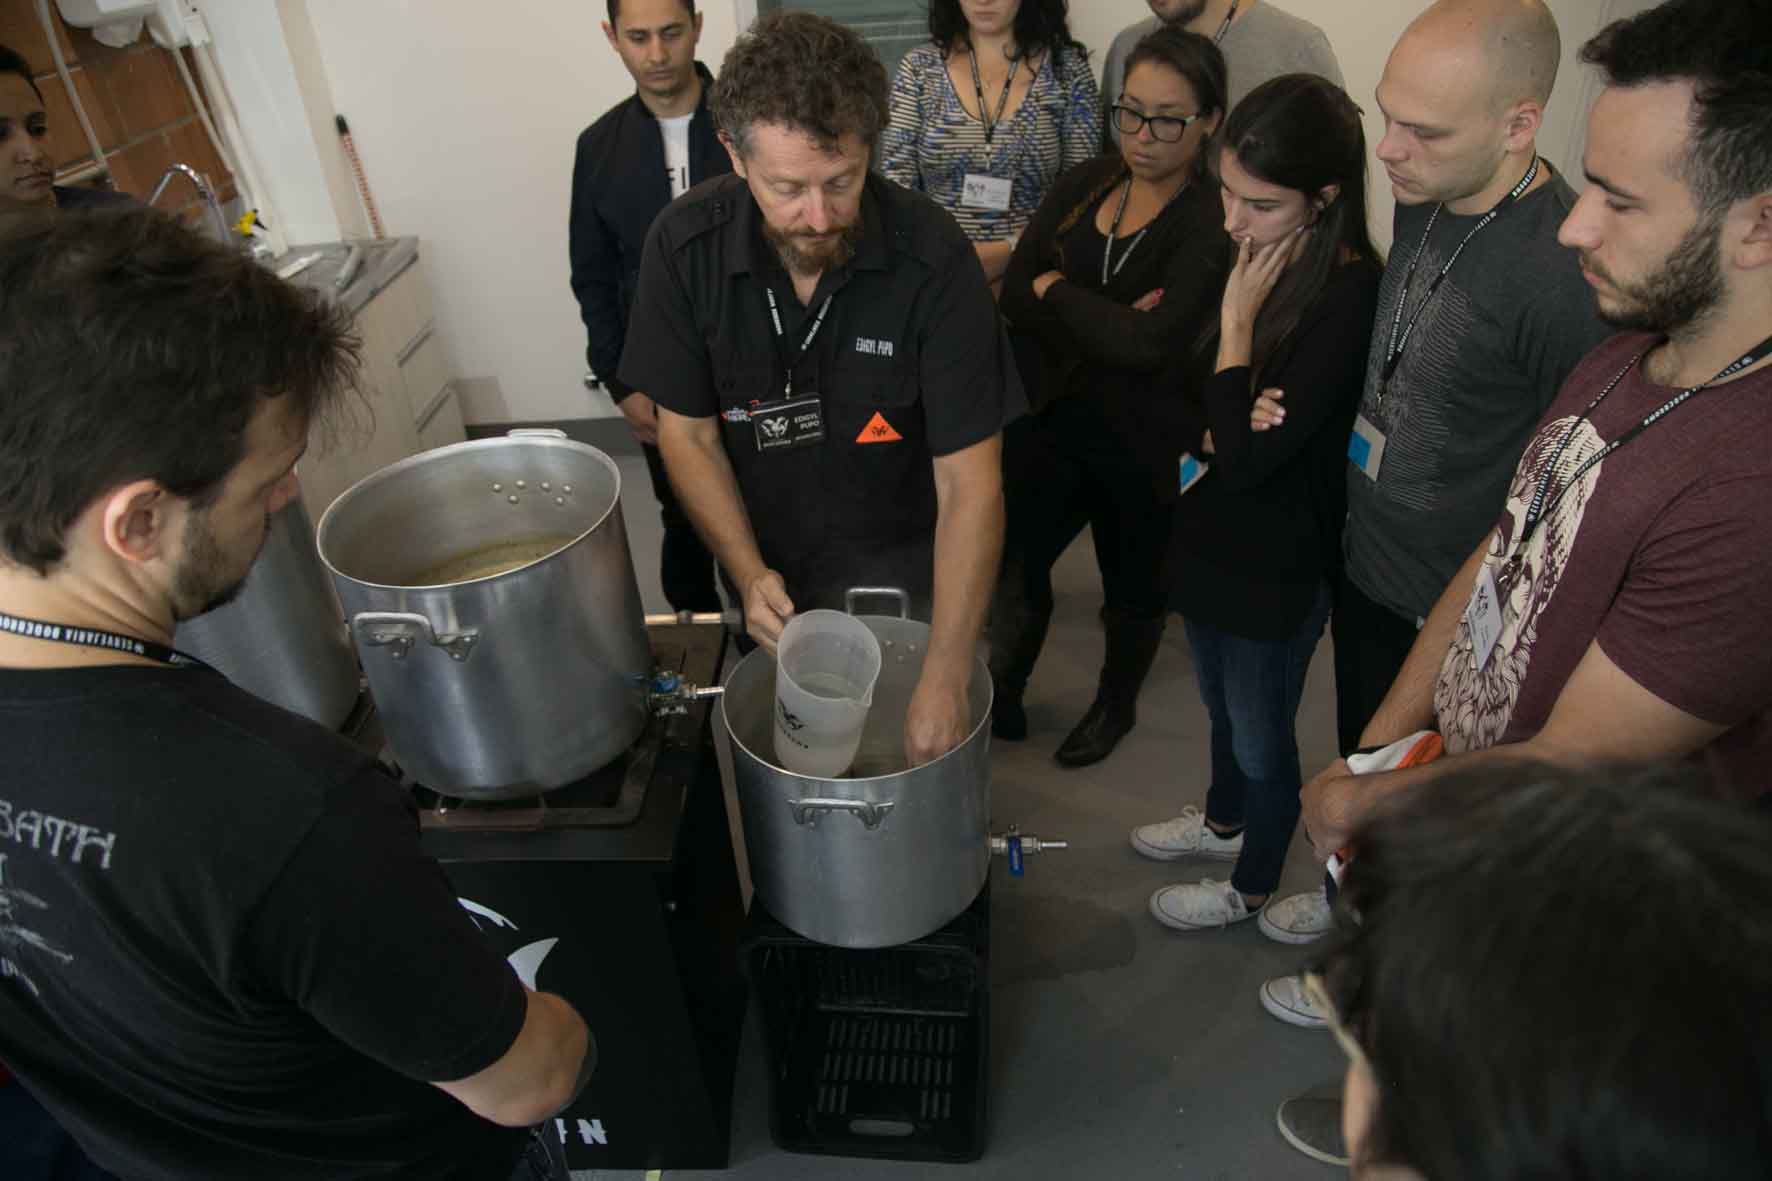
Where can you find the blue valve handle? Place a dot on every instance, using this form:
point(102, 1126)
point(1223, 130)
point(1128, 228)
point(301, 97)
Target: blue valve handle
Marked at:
point(1014, 855)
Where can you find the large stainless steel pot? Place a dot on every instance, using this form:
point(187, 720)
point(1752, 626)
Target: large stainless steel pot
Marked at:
point(876, 860)
point(513, 683)
point(284, 638)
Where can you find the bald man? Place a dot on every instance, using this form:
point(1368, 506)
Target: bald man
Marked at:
point(1481, 317)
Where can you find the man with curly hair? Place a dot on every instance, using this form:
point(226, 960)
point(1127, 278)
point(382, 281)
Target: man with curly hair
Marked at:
point(830, 374)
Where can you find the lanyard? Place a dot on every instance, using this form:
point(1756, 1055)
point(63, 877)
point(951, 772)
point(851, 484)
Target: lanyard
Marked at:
point(993, 122)
point(87, 637)
point(1109, 268)
point(1393, 353)
point(805, 342)
point(1543, 502)
point(1224, 26)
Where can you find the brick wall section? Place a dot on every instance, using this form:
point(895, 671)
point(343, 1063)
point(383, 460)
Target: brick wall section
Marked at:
point(137, 103)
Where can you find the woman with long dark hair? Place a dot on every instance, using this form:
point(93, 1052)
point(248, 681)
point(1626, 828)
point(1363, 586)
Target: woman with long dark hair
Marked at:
point(1125, 258)
point(1257, 535)
point(984, 117)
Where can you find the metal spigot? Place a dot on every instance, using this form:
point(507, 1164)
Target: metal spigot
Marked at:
point(203, 190)
point(732, 619)
point(1017, 846)
point(669, 694)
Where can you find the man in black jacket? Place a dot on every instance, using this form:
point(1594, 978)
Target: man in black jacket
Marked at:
point(640, 156)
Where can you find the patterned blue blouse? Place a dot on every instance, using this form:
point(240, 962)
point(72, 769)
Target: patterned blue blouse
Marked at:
point(932, 142)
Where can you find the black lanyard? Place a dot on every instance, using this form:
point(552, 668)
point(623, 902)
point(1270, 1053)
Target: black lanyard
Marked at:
point(993, 122)
point(88, 637)
point(1225, 25)
point(1393, 353)
point(1109, 268)
point(1543, 502)
point(805, 342)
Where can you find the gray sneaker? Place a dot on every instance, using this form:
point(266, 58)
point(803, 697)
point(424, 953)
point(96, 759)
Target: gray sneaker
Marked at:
point(1298, 918)
point(1285, 997)
point(1311, 1123)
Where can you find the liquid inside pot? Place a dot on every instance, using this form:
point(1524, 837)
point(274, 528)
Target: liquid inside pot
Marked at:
point(489, 560)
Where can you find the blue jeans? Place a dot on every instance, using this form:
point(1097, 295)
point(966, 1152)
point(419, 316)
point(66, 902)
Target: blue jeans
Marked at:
point(1251, 690)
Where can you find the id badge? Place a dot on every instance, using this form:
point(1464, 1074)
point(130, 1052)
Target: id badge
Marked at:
point(792, 422)
point(1483, 616)
point(1365, 447)
point(986, 192)
point(1192, 471)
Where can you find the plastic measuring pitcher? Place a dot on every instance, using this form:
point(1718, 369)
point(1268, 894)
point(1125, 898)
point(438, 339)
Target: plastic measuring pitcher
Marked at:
point(825, 668)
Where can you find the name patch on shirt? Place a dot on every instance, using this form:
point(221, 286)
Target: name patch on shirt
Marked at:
point(873, 348)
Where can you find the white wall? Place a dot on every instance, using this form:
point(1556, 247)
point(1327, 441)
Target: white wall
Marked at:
point(260, 76)
point(465, 114)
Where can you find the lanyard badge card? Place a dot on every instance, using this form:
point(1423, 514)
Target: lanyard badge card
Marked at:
point(1192, 471)
point(796, 419)
point(1365, 447)
point(979, 190)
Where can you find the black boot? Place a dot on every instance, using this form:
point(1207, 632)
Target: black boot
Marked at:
point(1131, 647)
point(1017, 632)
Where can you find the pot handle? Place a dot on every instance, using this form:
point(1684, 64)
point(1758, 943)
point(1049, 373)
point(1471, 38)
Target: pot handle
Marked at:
point(396, 630)
point(807, 811)
point(878, 592)
point(536, 432)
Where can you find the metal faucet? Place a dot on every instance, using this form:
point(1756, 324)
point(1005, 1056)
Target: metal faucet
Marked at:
point(203, 190)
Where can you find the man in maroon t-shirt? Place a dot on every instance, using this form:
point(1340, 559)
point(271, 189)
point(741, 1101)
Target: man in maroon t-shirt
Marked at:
point(1618, 610)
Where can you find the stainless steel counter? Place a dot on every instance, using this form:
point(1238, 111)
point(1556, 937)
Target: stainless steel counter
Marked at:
point(383, 261)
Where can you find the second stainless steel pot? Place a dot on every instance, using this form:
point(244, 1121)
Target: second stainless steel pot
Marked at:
point(876, 860)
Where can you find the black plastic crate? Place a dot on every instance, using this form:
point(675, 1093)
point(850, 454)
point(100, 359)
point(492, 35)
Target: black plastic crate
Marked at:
point(876, 1053)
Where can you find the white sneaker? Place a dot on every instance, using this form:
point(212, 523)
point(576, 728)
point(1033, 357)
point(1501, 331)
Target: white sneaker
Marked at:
point(1298, 918)
point(1185, 836)
point(1285, 997)
point(1198, 906)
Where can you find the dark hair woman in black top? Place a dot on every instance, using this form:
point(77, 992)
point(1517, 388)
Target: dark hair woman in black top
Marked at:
point(1124, 259)
point(1257, 537)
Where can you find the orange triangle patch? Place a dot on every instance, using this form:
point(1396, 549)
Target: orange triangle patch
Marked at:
point(878, 430)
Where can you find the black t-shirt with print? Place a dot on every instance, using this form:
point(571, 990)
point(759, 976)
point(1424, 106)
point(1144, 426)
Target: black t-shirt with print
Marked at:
point(222, 954)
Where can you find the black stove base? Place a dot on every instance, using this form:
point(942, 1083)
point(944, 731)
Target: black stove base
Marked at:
point(634, 920)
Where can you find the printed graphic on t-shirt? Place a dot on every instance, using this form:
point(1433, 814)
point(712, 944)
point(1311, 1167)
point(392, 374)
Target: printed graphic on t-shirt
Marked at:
point(22, 912)
point(676, 145)
point(16, 939)
point(1415, 412)
point(1475, 705)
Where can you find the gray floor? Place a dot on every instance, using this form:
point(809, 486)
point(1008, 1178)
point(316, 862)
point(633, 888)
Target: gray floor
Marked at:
point(1119, 1048)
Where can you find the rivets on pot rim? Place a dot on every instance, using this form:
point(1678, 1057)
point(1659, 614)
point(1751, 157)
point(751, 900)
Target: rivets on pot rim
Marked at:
point(498, 487)
point(512, 499)
point(522, 484)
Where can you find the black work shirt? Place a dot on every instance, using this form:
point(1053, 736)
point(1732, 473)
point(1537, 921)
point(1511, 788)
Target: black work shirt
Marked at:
point(909, 364)
point(619, 184)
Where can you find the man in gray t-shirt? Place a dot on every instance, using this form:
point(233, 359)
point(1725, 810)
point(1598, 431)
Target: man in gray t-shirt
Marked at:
point(1473, 357)
point(1487, 354)
point(1259, 42)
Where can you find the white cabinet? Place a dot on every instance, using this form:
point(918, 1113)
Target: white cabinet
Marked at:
point(406, 403)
